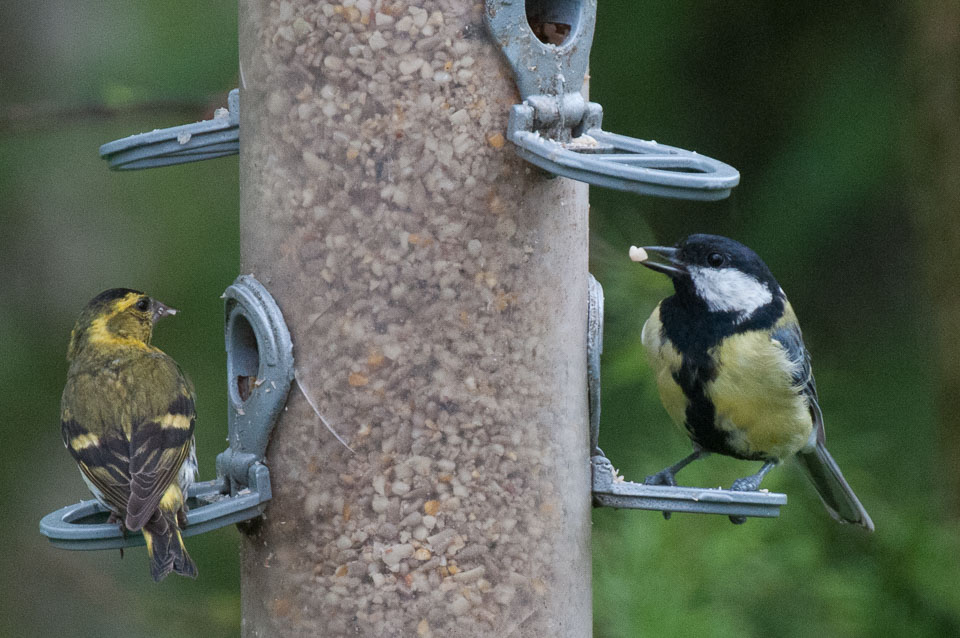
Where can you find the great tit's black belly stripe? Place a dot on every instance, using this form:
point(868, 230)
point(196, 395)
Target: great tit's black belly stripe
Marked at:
point(700, 415)
point(694, 332)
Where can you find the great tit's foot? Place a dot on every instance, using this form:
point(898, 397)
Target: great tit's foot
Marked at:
point(750, 484)
point(666, 475)
point(747, 483)
point(663, 477)
point(114, 519)
point(743, 485)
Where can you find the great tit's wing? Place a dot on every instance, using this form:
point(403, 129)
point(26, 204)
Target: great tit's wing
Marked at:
point(160, 439)
point(837, 495)
point(790, 338)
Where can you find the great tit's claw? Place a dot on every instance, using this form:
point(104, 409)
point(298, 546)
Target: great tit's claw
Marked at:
point(663, 477)
point(747, 484)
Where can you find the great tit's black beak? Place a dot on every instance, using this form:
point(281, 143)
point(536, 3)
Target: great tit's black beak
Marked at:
point(673, 266)
point(162, 310)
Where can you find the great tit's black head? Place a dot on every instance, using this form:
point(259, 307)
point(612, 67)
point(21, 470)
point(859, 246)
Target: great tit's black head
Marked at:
point(723, 274)
point(118, 315)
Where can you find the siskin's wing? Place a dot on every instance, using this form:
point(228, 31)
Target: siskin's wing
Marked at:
point(129, 431)
point(103, 457)
point(160, 440)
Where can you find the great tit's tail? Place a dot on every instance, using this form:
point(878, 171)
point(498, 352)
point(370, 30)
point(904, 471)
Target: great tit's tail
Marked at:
point(834, 491)
point(165, 544)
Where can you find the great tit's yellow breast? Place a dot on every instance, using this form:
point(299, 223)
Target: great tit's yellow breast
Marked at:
point(755, 398)
point(665, 361)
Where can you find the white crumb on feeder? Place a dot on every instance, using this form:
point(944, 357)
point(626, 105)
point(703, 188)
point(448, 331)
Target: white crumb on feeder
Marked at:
point(637, 253)
point(617, 478)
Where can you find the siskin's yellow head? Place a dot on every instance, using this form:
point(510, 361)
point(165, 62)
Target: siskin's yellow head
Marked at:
point(117, 317)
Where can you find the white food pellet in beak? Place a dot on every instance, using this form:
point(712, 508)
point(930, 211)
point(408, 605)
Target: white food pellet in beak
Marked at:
point(637, 253)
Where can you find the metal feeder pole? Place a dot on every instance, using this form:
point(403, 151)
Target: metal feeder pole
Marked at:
point(435, 286)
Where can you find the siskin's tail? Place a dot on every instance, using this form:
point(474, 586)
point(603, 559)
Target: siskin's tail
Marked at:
point(834, 491)
point(164, 542)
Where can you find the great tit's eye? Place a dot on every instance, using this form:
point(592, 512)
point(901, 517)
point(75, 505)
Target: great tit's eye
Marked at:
point(143, 305)
point(715, 260)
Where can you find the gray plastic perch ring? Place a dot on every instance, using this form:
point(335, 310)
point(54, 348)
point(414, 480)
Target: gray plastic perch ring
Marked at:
point(556, 129)
point(179, 144)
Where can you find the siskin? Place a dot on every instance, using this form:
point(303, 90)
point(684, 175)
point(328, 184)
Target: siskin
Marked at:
point(127, 417)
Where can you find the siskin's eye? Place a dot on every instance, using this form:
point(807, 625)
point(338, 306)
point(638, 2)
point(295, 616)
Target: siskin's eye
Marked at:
point(143, 305)
point(715, 260)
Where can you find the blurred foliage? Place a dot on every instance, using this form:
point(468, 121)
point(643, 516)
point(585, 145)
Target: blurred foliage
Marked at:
point(807, 100)
point(71, 229)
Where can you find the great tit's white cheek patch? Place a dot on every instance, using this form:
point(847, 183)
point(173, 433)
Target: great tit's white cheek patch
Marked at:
point(730, 290)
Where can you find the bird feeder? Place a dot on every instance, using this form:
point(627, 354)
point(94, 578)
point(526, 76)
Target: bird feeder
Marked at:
point(375, 181)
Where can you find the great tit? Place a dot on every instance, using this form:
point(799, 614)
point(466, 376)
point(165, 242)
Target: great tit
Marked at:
point(127, 418)
point(732, 369)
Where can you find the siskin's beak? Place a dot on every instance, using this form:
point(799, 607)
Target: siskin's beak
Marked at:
point(673, 266)
point(162, 310)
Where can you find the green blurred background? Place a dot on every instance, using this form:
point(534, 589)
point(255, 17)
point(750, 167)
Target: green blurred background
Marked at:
point(815, 103)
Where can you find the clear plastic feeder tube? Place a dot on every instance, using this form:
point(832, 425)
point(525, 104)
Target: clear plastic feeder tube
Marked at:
point(435, 286)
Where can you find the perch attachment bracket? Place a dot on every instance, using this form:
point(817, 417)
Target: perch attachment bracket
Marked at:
point(556, 129)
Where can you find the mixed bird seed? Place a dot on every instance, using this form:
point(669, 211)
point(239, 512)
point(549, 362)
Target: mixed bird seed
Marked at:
point(435, 286)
